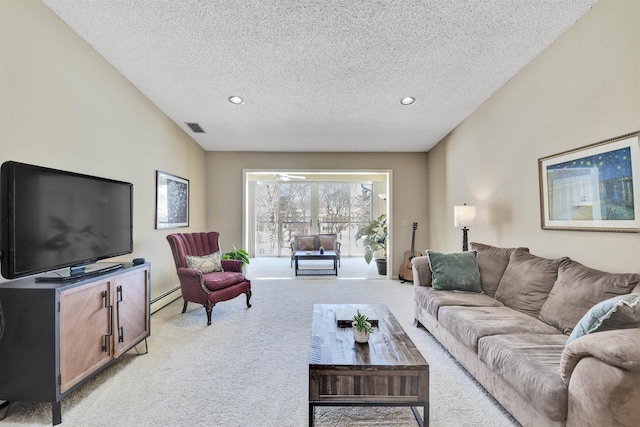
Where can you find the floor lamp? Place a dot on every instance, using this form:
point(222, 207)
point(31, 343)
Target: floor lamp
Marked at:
point(464, 216)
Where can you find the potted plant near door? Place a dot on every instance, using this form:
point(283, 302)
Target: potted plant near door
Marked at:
point(239, 254)
point(374, 236)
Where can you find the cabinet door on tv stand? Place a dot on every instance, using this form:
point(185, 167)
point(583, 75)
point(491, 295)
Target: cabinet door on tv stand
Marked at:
point(132, 310)
point(86, 314)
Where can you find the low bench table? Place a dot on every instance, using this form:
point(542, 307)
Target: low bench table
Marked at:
point(316, 255)
point(387, 371)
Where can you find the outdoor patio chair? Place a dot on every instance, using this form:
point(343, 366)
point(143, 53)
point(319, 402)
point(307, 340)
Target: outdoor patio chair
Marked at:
point(313, 242)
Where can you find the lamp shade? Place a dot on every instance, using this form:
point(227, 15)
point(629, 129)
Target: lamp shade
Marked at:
point(464, 216)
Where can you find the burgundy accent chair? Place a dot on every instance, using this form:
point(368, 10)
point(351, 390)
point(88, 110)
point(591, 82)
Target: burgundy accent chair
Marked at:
point(209, 288)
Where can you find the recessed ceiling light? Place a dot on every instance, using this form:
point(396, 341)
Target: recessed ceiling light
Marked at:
point(236, 100)
point(407, 100)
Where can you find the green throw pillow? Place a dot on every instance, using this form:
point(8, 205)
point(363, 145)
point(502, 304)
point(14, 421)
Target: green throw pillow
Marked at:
point(455, 272)
point(621, 312)
point(206, 264)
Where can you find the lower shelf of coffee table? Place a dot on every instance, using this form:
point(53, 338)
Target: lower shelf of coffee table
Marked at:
point(317, 272)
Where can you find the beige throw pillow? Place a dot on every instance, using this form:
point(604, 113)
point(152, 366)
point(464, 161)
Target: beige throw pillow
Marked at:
point(306, 243)
point(328, 242)
point(206, 264)
point(527, 281)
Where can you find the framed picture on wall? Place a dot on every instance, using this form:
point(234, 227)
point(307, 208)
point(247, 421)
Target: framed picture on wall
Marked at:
point(172, 201)
point(592, 188)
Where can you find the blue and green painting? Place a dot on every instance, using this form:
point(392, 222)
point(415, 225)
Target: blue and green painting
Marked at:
point(597, 187)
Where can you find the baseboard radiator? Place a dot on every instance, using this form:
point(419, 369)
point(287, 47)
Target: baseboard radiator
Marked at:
point(165, 299)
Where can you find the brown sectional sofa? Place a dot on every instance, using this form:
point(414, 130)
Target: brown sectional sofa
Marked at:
point(512, 337)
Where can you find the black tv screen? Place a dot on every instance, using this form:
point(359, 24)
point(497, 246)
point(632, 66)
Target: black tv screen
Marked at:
point(52, 219)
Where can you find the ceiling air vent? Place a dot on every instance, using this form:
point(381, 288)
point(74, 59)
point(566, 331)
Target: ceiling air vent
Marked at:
point(195, 127)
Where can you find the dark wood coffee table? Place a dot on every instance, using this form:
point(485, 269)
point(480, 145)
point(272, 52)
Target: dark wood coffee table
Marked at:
point(316, 255)
point(387, 371)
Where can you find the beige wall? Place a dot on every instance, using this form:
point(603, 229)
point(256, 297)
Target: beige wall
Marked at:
point(409, 175)
point(583, 89)
point(63, 106)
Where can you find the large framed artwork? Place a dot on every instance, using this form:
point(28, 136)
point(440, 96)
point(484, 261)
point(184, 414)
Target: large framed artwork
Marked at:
point(172, 201)
point(592, 188)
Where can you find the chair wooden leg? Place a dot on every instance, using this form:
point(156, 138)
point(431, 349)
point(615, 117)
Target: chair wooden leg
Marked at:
point(184, 307)
point(209, 307)
point(248, 293)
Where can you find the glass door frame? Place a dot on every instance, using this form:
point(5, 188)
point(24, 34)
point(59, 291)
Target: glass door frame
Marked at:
point(382, 199)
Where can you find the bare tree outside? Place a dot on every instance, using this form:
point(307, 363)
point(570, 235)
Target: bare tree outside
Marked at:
point(335, 205)
point(283, 210)
point(295, 211)
point(267, 207)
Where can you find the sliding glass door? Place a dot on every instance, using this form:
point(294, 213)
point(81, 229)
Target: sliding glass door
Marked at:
point(285, 209)
point(342, 209)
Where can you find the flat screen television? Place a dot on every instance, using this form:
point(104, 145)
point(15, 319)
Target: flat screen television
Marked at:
point(51, 219)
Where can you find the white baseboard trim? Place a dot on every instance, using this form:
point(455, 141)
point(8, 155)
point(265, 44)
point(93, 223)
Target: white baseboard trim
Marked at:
point(165, 299)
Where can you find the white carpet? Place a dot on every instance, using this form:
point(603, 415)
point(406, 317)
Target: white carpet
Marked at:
point(250, 367)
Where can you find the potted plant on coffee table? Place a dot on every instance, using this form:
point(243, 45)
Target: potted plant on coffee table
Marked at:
point(361, 327)
point(374, 236)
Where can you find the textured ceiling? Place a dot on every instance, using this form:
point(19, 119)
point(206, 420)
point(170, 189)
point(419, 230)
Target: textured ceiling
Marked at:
point(319, 75)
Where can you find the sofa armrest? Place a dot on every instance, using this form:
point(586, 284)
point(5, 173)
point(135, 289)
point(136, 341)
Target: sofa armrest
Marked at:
point(421, 271)
point(603, 395)
point(189, 273)
point(619, 348)
point(602, 371)
point(191, 282)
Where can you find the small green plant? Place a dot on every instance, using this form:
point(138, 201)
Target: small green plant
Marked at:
point(321, 249)
point(361, 322)
point(239, 254)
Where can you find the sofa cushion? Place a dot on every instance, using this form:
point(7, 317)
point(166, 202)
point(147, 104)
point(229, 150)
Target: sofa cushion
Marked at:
point(206, 263)
point(492, 262)
point(621, 312)
point(328, 241)
point(306, 243)
point(530, 363)
point(579, 288)
point(457, 271)
point(527, 281)
point(469, 324)
point(221, 280)
point(432, 299)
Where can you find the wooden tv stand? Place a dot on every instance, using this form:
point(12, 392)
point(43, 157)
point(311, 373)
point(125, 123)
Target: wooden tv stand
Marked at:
point(55, 336)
